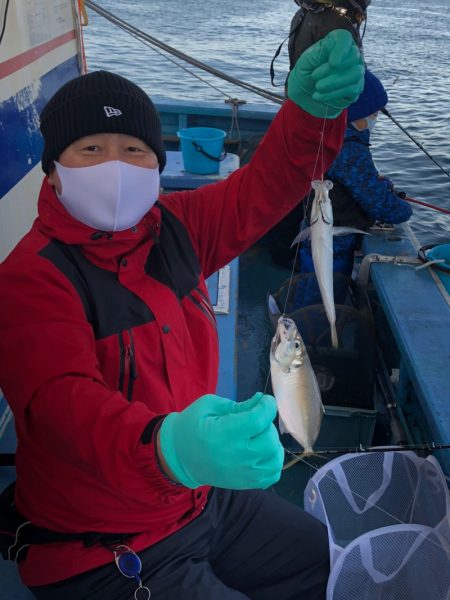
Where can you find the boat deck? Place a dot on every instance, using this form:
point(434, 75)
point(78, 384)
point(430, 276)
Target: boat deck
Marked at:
point(418, 313)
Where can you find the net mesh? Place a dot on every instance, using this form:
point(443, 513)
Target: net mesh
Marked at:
point(401, 562)
point(387, 513)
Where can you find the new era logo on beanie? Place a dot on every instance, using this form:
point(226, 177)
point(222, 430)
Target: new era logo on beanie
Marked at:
point(112, 112)
point(99, 102)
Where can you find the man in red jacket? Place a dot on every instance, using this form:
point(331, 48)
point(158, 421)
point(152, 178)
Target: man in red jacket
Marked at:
point(141, 477)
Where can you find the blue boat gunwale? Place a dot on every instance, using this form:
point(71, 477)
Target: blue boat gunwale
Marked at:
point(244, 127)
point(418, 314)
point(209, 108)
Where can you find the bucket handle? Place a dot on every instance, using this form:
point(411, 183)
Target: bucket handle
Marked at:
point(202, 151)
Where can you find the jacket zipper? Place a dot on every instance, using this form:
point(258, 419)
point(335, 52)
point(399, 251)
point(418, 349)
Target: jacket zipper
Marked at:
point(206, 303)
point(205, 307)
point(127, 371)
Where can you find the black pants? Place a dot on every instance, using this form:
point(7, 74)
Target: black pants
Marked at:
point(250, 544)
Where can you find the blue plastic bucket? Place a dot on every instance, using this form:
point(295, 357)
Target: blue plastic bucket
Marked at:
point(442, 252)
point(202, 149)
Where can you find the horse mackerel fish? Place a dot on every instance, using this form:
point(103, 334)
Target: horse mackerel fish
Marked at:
point(295, 387)
point(321, 232)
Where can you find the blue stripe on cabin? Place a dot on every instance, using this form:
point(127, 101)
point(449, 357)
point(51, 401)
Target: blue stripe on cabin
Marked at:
point(21, 141)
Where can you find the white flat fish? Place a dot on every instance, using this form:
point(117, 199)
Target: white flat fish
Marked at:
point(295, 386)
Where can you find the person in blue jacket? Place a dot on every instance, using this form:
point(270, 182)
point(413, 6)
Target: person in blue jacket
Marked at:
point(360, 195)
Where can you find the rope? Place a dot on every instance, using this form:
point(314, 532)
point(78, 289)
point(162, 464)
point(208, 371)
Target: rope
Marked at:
point(141, 35)
point(83, 13)
point(235, 122)
point(153, 42)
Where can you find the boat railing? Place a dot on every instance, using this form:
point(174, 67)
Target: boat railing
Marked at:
point(417, 311)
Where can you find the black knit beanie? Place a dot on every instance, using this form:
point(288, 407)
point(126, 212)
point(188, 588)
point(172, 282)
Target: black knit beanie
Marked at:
point(99, 102)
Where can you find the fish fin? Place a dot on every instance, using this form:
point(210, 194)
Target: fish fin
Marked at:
point(303, 235)
point(301, 457)
point(273, 306)
point(292, 462)
point(346, 230)
point(282, 426)
point(317, 455)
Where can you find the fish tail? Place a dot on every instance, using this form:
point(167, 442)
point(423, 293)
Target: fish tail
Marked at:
point(334, 336)
point(301, 457)
point(293, 462)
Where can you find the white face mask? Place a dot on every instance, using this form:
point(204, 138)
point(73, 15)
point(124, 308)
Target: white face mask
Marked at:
point(110, 196)
point(370, 123)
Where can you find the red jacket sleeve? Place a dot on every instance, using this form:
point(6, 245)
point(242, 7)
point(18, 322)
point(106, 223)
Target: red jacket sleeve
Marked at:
point(226, 218)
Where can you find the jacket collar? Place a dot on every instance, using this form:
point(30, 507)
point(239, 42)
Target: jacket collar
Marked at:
point(363, 136)
point(101, 247)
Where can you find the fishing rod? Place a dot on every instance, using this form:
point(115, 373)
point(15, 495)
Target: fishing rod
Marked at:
point(432, 447)
point(443, 210)
point(418, 144)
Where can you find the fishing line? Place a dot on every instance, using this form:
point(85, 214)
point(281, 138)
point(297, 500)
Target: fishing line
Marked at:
point(138, 35)
point(320, 154)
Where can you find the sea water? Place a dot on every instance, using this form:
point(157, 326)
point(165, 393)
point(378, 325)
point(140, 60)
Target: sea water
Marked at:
point(406, 43)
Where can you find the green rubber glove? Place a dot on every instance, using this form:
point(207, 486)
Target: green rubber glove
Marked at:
point(227, 444)
point(328, 76)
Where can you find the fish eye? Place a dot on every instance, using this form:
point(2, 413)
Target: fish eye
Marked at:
point(297, 345)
